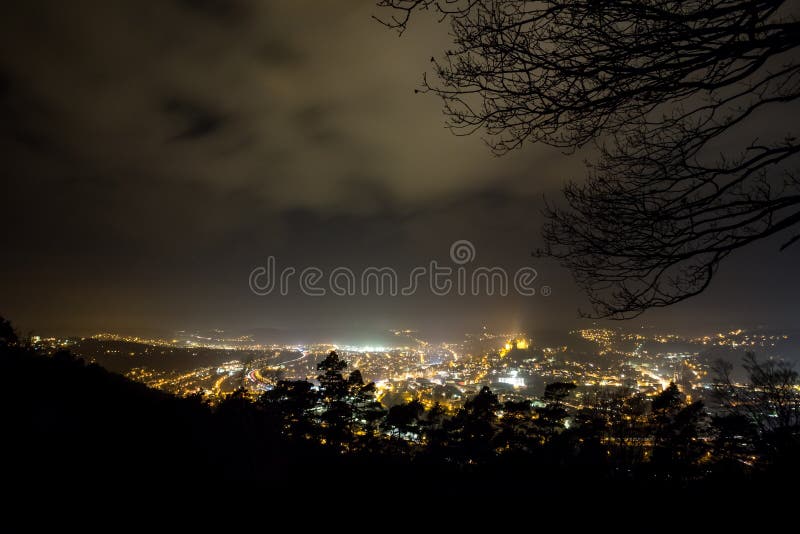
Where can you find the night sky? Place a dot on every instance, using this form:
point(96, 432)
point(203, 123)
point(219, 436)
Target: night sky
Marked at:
point(154, 153)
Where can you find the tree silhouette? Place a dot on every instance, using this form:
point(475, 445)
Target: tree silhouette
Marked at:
point(515, 427)
point(734, 443)
point(8, 336)
point(594, 427)
point(366, 411)
point(332, 367)
point(629, 430)
point(405, 418)
point(290, 403)
point(660, 86)
point(768, 406)
point(676, 429)
point(468, 437)
point(336, 412)
point(552, 415)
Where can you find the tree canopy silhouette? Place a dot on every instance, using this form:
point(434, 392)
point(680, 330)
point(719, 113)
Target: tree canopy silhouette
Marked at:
point(767, 408)
point(667, 90)
point(8, 335)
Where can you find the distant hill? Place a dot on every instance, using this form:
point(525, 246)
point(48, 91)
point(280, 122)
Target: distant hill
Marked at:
point(122, 356)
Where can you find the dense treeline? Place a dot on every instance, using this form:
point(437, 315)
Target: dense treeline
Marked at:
point(70, 420)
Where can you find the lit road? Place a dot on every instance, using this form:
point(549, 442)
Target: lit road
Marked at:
point(305, 355)
point(647, 372)
point(217, 387)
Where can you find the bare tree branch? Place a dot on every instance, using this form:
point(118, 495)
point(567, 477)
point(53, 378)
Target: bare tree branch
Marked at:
point(659, 86)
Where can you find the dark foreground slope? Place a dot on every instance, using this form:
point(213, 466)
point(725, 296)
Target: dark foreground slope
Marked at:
point(65, 420)
point(68, 422)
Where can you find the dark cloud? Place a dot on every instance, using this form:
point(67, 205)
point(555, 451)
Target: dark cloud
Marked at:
point(317, 123)
point(16, 109)
point(5, 85)
point(194, 120)
point(220, 10)
point(276, 52)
